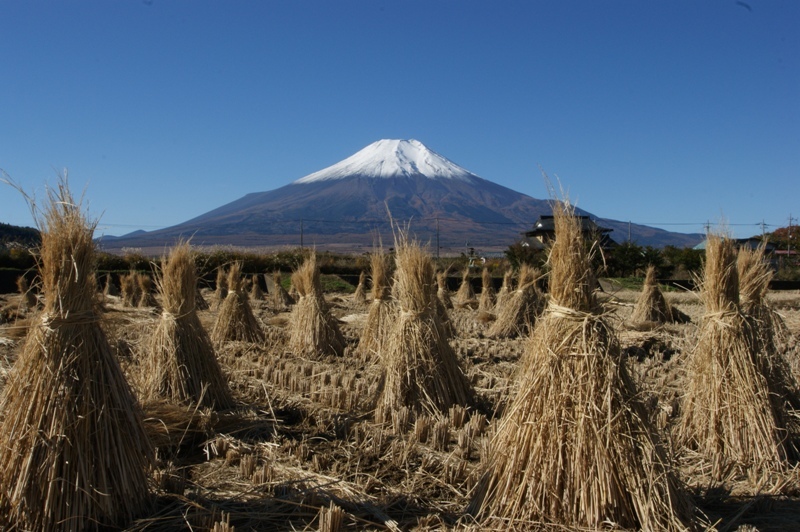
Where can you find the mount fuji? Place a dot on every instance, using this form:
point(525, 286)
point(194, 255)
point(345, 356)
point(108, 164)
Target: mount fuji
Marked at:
point(346, 205)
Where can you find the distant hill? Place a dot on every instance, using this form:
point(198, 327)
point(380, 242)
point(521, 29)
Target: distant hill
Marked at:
point(346, 205)
point(22, 236)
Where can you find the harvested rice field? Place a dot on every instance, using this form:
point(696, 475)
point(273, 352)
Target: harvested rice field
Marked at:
point(300, 449)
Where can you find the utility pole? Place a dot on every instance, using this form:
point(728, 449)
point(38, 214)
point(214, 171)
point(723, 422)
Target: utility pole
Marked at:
point(790, 235)
point(629, 231)
point(763, 229)
point(301, 233)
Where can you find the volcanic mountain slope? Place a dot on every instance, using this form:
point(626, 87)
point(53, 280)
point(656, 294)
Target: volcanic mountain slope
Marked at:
point(349, 202)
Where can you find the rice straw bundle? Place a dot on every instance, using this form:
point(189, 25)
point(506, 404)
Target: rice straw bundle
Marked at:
point(146, 297)
point(728, 415)
point(382, 309)
point(360, 295)
point(770, 332)
point(465, 296)
point(652, 307)
point(279, 297)
point(109, 288)
point(74, 454)
point(235, 320)
point(256, 293)
point(487, 300)
point(28, 299)
point(131, 291)
point(422, 372)
point(221, 291)
point(505, 290)
point(575, 448)
point(518, 315)
point(313, 331)
point(180, 363)
point(442, 292)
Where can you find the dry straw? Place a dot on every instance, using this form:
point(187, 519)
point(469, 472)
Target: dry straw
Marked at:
point(382, 310)
point(74, 454)
point(465, 297)
point(441, 289)
point(575, 448)
point(180, 364)
point(313, 331)
point(729, 416)
point(422, 372)
point(131, 290)
point(518, 313)
point(235, 320)
point(221, 290)
point(360, 295)
point(109, 288)
point(652, 307)
point(487, 300)
point(279, 297)
point(505, 290)
point(28, 300)
point(146, 297)
point(256, 293)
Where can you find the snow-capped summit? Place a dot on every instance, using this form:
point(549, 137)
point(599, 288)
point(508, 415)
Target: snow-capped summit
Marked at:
point(389, 158)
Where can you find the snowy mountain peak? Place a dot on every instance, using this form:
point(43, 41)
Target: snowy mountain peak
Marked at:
point(392, 158)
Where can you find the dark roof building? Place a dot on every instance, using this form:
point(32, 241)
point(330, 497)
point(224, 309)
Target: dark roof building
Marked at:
point(544, 232)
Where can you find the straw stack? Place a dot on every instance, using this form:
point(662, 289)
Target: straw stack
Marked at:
point(442, 292)
point(382, 309)
point(575, 449)
point(131, 290)
point(279, 297)
point(505, 290)
point(771, 336)
point(518, 314)
point(221, 291)
point(109, 288)
point(487, 300)
point(729, 416)
point(74, 454)
point(422, 372)
point(256, 293)
point(146, 297)
point(28, 299)
point(652, 307)
point(235, 320)
point(465, 297)
point(360, 295)
point(180, 363)
point(313, 331)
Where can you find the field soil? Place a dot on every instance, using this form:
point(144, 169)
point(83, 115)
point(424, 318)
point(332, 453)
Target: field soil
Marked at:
point(301, 451)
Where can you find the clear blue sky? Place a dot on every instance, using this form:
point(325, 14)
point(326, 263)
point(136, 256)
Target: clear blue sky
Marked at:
point(659, 112)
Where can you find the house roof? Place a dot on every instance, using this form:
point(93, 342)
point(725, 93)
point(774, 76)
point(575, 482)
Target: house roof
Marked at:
point(752, 243)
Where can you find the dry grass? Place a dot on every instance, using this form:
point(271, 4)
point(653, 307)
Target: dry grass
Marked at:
point(314, 332)
point(465, 297)
point(652, 307)
point(574, 448)
point(422, 373)
point(256, 293)
point(360, 295)
point(382, 310)
point(236, 321)
point(180, 364)
point(505, 289)
point(131, 289)
point(487, 300)
point(728, 416)
point(441, 290)
point(74, 454)
point(221, 290)
point(520, 308)
point(279, 298)
point(28, 300)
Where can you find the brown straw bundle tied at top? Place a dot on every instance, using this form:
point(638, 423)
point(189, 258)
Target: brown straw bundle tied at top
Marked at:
point(360, 295)
point(732, 413)
point(575, 448)
point(518, 311)
point(313, 331)
point(465, 296)
point(651, 306)
point(422, 372)
point(382, 310)
point(180, 363)
point(486, 301)
point(74, 454)
point(236, 321)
